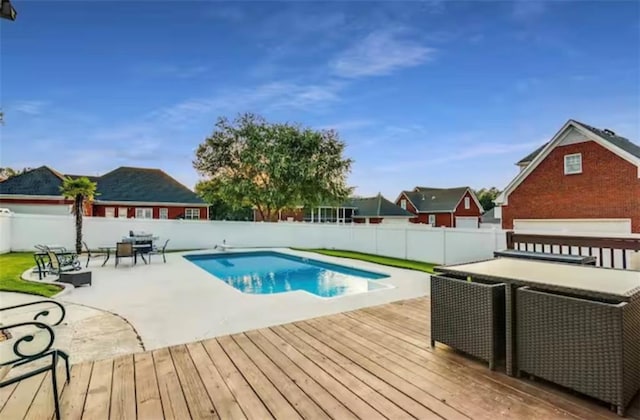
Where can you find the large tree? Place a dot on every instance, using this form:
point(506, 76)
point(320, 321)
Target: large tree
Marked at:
point(219, 208)
point(273, 166)
point(81, 191)
point(486, 197)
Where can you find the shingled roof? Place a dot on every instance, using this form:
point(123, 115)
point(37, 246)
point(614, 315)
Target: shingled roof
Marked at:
point(378, 206)
point(428, 199)
point(39, 181)
point(146, 185)
point(120, 185)
point(607, 135)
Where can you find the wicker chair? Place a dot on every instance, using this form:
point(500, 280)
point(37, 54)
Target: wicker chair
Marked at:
point(585, 345)
point(469, 316)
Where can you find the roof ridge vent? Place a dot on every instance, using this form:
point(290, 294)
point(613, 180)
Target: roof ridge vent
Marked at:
point(609, 132)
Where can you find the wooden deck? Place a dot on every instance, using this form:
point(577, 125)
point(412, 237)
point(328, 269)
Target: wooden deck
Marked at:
point(371, 363)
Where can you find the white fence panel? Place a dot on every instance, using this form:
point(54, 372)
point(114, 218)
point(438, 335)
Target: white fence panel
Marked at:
point(5, 233)
point(20, 232)
point(426, 244)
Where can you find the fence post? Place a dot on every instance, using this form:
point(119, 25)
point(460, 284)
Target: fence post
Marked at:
point(510, 239)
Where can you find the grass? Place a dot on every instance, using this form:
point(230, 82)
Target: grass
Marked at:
point(393, 262)
point(11, 268)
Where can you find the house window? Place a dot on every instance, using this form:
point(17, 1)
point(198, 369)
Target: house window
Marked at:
point(467, 203)
point(110, 212)
point(144, 213)
point(192, 214)
point(432, 219)
point(164, 213)
point(122, 212)
point(403, 204)
point(573, 164)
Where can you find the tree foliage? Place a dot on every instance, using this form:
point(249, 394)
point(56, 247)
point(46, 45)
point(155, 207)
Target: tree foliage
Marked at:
point(6, 173)
point(82, 191)
point(273, 166)
point(486, 197)
point(219, 209)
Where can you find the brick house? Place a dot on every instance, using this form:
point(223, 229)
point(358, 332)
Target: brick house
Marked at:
point(442, 207)
point(124, 192)
point(368, 210)
point(583, 180)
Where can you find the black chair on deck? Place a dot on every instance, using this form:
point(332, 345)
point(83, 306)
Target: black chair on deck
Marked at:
point(30, 339)
point(159, 251)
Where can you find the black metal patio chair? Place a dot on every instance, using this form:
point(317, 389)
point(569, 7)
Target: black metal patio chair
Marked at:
point(26, 341)
point(92, 254)
point(61, 262)
point(159, 251)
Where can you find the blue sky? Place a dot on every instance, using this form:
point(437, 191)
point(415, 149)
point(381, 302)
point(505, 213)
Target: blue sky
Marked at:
point(438, 93)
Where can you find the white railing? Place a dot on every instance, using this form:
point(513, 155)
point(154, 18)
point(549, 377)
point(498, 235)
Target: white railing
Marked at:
point(415, 242)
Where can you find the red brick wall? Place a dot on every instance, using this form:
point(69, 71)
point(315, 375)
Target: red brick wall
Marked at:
point(174, 211)
point(297, 214)
point(88, 209)
point(372, 220)
point(608, 187)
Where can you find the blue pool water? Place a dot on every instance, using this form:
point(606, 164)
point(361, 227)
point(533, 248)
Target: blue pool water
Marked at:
point(272, 272)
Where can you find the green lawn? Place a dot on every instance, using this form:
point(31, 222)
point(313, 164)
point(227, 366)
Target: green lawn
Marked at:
point(393, 262)
point(11, 268)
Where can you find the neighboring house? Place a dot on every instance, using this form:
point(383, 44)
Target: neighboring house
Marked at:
point(378, 209)
point(490, 219)
point(372, 210)
point(124, 192)
point(446, 207)
point(583, 180)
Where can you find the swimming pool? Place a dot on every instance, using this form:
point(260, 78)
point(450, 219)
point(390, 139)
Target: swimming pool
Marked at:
point(267, 272)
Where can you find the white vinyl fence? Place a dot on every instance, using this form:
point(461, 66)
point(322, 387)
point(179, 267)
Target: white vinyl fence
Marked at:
point(5, 233)
point(415, 242)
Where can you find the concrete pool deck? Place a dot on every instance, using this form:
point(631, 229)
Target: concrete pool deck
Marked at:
point(178, 302)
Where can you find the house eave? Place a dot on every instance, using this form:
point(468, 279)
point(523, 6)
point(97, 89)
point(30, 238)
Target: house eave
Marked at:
point(148, 203)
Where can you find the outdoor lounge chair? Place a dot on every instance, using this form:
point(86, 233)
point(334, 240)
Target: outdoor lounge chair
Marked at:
point(61, 262)
point(159, 251)
point(92, 254)
point(42, 264)
point(125, 250)
point(30, 339)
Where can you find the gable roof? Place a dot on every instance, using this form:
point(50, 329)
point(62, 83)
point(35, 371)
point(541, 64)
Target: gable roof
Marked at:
point(120, 185)
point(606, 138)
point(607, 135)
point(434, 200)
point(40, 181)
point(490, 216)
point(378, 206)
point(143, 185)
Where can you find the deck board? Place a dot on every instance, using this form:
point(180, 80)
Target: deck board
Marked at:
point(371, 363)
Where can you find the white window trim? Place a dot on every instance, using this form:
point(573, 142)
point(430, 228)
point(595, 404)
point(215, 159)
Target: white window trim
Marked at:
point(192, 210)
point(432, 217)
point(163, 211)
point(403, 204)
point(122, 212)
point(467, 203)
point(144, 210)
point(566, 168)
point(106, 212)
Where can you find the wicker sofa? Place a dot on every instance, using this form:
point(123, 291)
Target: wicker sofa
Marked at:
point(589, 346)
point(469, 316)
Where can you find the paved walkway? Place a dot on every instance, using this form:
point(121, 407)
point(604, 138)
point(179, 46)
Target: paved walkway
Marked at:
point(87, 334)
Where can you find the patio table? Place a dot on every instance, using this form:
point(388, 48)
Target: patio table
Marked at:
point(138, 249)
point(569, 303)
point(545, 256)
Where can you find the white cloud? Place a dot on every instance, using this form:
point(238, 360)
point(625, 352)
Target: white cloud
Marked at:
point(30, 107)
point(274, 95)
point(380, 53)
